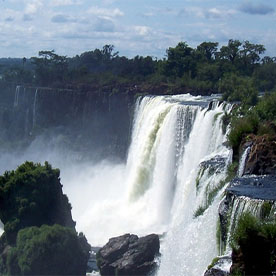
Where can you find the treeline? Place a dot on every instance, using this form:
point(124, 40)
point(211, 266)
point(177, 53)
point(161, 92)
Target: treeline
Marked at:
point(201, 68)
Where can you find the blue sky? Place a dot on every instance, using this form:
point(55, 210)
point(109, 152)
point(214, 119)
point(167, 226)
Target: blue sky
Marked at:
point(134, 27)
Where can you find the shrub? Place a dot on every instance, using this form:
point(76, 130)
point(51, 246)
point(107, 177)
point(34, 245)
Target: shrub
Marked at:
point(241, 126)
point(31, 196)
point(266, 108)
point(48, 250)
point(236, 88)
point(249, 239)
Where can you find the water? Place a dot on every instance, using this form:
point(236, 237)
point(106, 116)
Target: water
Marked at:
point(16, 96)
point(158, 189)
point(242, 161)
point(34, 108)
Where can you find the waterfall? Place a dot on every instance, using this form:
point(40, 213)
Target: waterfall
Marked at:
point(190, 243)
point(34, 109)
point(171, 183)
point(16, 96)
point(242, 161)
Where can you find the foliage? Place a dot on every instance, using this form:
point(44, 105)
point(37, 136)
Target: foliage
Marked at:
point(48, 250)
point(31, 196)
point(242, 126)
point(49, 67)
point(249, 239)
point(266, 209)
point(259, 119)
point(236, 88)
point(214, 261)
point(266, 108)
point(199, 211)
point(204, 69)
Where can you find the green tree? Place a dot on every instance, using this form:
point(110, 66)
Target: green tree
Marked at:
point(231, 52)
point(236, 88)
point(50, 68)
point(180, 61)
point(207, 51)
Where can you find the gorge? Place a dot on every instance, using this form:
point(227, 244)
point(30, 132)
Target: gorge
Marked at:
point(151, 164)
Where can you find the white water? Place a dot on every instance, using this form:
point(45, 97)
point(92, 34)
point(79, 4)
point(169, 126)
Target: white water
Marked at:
point(34, 109)
point(16, 96)
point(155, 191)
point(242, 161)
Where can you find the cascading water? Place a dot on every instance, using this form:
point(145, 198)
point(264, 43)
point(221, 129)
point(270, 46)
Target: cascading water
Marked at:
point(190, 243)
point(16, 96)
point(34, 109)
point(243, 161)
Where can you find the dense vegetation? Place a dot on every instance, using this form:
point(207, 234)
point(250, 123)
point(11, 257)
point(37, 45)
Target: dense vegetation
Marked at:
point(254, 115)
point(206, 68)
point(39, 233)
point(254, 243)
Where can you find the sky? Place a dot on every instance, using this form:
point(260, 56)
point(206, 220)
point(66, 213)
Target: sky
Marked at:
point(134, 27)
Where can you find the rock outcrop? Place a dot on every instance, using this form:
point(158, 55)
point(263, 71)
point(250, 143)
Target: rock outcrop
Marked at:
point(262, 156)
point(129, 255)
point(220, 267)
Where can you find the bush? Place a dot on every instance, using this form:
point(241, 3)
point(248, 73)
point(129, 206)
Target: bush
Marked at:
point(48, 250)
point(266, 108)
point(235, 88)
point(254, 246)
point(31, 196)
point(242, 126)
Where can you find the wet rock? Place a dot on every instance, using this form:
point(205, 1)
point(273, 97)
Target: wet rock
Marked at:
point(221, 267)
point(254, 186)
point(262, 155)
point(215, 272)
point(215, 164)
point(129, 255)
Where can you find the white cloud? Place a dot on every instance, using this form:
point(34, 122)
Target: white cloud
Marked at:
point(57, 3)
point(105, 12)
point(219, 13)
point(33, 6)
point(142, 30)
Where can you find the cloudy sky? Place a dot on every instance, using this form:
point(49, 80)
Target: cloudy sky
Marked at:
point(134, 27)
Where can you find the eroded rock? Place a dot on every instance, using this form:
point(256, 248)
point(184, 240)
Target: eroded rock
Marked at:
point(262, 155)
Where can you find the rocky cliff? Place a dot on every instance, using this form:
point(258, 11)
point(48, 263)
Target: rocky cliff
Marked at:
point(93, 122)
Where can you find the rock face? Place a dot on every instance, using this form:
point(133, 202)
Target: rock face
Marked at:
point(129, 255)
point(87, 121)
point(262, 155)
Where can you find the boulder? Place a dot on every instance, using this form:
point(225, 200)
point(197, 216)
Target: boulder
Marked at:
point(220, 267)
point(215, 272)
point(129, 255)
point(262, 155)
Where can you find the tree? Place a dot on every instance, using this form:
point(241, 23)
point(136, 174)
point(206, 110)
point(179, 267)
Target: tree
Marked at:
point(207, 51)
point(236, 88)
point(180, 60)
point(231, 52)
point(250, 55)
point(50, 67)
